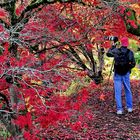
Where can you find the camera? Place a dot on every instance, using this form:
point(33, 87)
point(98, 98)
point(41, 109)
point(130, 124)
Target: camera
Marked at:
point(111, 38)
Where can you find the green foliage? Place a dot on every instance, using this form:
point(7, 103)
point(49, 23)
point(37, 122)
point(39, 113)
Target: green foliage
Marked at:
point(1, 50)
point(132, 16)
point(74, 87)
point(4, 134)
point(133, 45)
point(137, 57)
point(133, 27)
point(135, 73)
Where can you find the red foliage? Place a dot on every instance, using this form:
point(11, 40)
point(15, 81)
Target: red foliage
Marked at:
point(40, 78)
point(24, 121)
point(28, 136)
point(2, 13)
point(132, 23)
point(4, 85)
point(76, 126)
point(19, 10)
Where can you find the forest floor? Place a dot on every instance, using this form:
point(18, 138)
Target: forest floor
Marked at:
point(109, 125)
point(106, 124)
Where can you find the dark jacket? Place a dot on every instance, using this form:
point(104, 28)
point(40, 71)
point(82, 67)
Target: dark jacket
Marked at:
point(113, 52)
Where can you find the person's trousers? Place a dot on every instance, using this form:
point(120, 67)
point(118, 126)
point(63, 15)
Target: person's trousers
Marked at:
point(120, 80)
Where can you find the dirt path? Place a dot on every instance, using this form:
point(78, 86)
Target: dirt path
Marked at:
point(109, 126)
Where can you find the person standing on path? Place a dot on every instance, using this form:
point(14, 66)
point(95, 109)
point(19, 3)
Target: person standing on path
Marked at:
point(123, 63)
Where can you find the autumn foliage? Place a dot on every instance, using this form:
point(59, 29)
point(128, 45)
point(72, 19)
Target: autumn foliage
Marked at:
point(44, 47)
